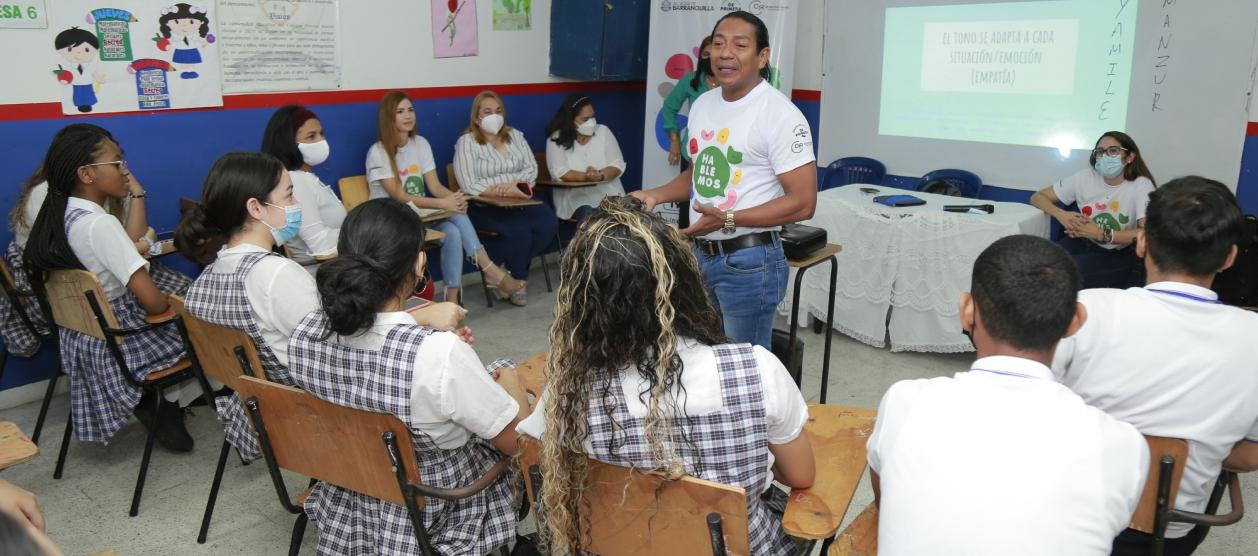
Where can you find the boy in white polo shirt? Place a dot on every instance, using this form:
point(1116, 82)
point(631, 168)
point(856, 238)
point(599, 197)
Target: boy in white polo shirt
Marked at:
point(1168, 357)
point(1002, 459)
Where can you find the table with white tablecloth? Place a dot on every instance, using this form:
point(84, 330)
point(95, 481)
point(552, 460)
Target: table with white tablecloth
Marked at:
point(909, 262)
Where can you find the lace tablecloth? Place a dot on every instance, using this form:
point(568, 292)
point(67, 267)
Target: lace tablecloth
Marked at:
point(911, 262)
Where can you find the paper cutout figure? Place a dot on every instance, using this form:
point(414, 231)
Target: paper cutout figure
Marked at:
point(80, 48)
point(186, 28)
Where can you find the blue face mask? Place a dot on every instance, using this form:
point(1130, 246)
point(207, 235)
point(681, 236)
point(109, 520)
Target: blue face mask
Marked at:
point(1109, 167)
point(292, 224)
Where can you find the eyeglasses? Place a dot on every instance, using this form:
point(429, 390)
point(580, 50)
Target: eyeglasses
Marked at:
point(1109, 151)
point(122, 165)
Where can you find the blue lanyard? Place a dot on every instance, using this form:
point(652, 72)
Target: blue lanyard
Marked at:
point(1186, 296)
point(1005, 373)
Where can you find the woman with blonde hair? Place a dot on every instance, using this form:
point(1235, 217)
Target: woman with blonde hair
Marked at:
point(401, 165)
point(640, 375)
point(493, 159)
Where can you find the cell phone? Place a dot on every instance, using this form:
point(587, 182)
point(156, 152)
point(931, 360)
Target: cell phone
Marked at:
point(161, 246)
point(524, 187)
point(870, 191)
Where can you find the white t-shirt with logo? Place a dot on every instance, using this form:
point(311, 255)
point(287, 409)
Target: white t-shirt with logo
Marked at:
point(1117, 207)
point(414, 159)
point(739, 148)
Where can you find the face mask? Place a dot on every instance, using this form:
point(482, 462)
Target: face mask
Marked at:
point(316, 153)
point(587, 127)
point(1109, 167)
point(492, 123)
point(292, 224)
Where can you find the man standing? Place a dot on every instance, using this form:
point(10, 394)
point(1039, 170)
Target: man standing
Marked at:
point(753, 170)
point(1168, 357)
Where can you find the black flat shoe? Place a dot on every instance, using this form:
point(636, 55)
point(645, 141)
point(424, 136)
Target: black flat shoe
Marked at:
point(171, 432)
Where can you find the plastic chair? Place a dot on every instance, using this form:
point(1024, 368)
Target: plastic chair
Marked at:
point(853, 169)
point(968, 183)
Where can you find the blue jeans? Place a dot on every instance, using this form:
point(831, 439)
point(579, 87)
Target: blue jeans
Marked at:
point(523, 233)
point(746, 287)
point(1104, 268)
point(460, 241)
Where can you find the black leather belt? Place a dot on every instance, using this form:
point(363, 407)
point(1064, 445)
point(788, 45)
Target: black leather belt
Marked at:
point(726, 246)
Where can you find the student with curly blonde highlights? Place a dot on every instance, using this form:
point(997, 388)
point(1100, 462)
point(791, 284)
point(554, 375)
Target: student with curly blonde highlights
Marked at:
point(641, 375)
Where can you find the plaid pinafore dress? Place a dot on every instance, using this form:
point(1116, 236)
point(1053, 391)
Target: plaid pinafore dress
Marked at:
point(729, 446)
point(18, 339)
point(101, 400)
point(219, 298)
point(380, 381)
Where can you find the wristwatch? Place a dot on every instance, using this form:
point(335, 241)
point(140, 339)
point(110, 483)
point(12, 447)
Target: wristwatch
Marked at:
point(729, 222)
point(133, 195)
point(1107, 236)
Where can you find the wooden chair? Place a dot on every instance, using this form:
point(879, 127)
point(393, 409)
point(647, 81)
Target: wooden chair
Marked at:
point(354, 191)
point(637, 513)
point(1167, 457)
point(375, 456)
point(22, 302)
point(15, 447)
point(223, 354)
point(452, 183)
point(75, 301)
point(861, 536)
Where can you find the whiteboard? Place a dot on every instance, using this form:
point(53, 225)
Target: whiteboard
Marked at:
point(1188, 109)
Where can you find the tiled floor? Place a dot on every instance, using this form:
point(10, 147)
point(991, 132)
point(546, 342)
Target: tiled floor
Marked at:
point(87, 509)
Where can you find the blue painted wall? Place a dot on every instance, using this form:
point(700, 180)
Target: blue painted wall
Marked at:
point(171, 152)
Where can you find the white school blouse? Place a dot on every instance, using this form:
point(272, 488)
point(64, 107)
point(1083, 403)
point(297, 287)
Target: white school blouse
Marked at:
point(102, 245)
point(280, 294)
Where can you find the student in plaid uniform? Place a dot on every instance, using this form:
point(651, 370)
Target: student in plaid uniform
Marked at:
point(363, 351)
point(84, 167)
point(130, 210)
point(647, 380)
point(248, 287)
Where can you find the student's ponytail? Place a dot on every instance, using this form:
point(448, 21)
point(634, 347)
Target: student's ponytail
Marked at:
point(379, 244)
point(233, 180)
point(48, 247)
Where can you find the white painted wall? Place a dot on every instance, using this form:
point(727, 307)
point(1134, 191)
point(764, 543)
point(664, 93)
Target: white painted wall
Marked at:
point(384, 44)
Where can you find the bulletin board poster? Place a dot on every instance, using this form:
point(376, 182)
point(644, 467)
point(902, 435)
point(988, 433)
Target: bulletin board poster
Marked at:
point(454, 28)
point(278, 46)
point(134, 55)
point(513, 15)
point(31, 14)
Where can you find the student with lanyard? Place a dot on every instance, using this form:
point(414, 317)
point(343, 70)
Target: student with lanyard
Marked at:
point(753, 171)
point(362, 350)
point(1112, 193)
point(294, 135)
point(1168, 357)
point(84, 167)
point(686, 91)
point(1002, 459)
point(636, 350)
point(248, 200)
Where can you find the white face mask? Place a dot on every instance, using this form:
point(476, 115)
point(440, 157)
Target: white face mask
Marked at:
point(587, 127)
point(492, 123)
point(315, 153)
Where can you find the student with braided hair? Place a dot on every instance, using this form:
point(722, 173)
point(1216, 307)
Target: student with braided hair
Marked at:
point(85, 168)
point(639, 365)
point(362, 350)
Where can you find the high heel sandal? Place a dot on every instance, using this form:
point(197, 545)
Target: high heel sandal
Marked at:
point(505, 288)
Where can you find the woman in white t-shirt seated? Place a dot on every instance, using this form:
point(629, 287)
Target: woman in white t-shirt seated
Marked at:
point(581, 149)
point(295, 136)
point(401, 165)
point(636, 347)
point(1112, 196)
